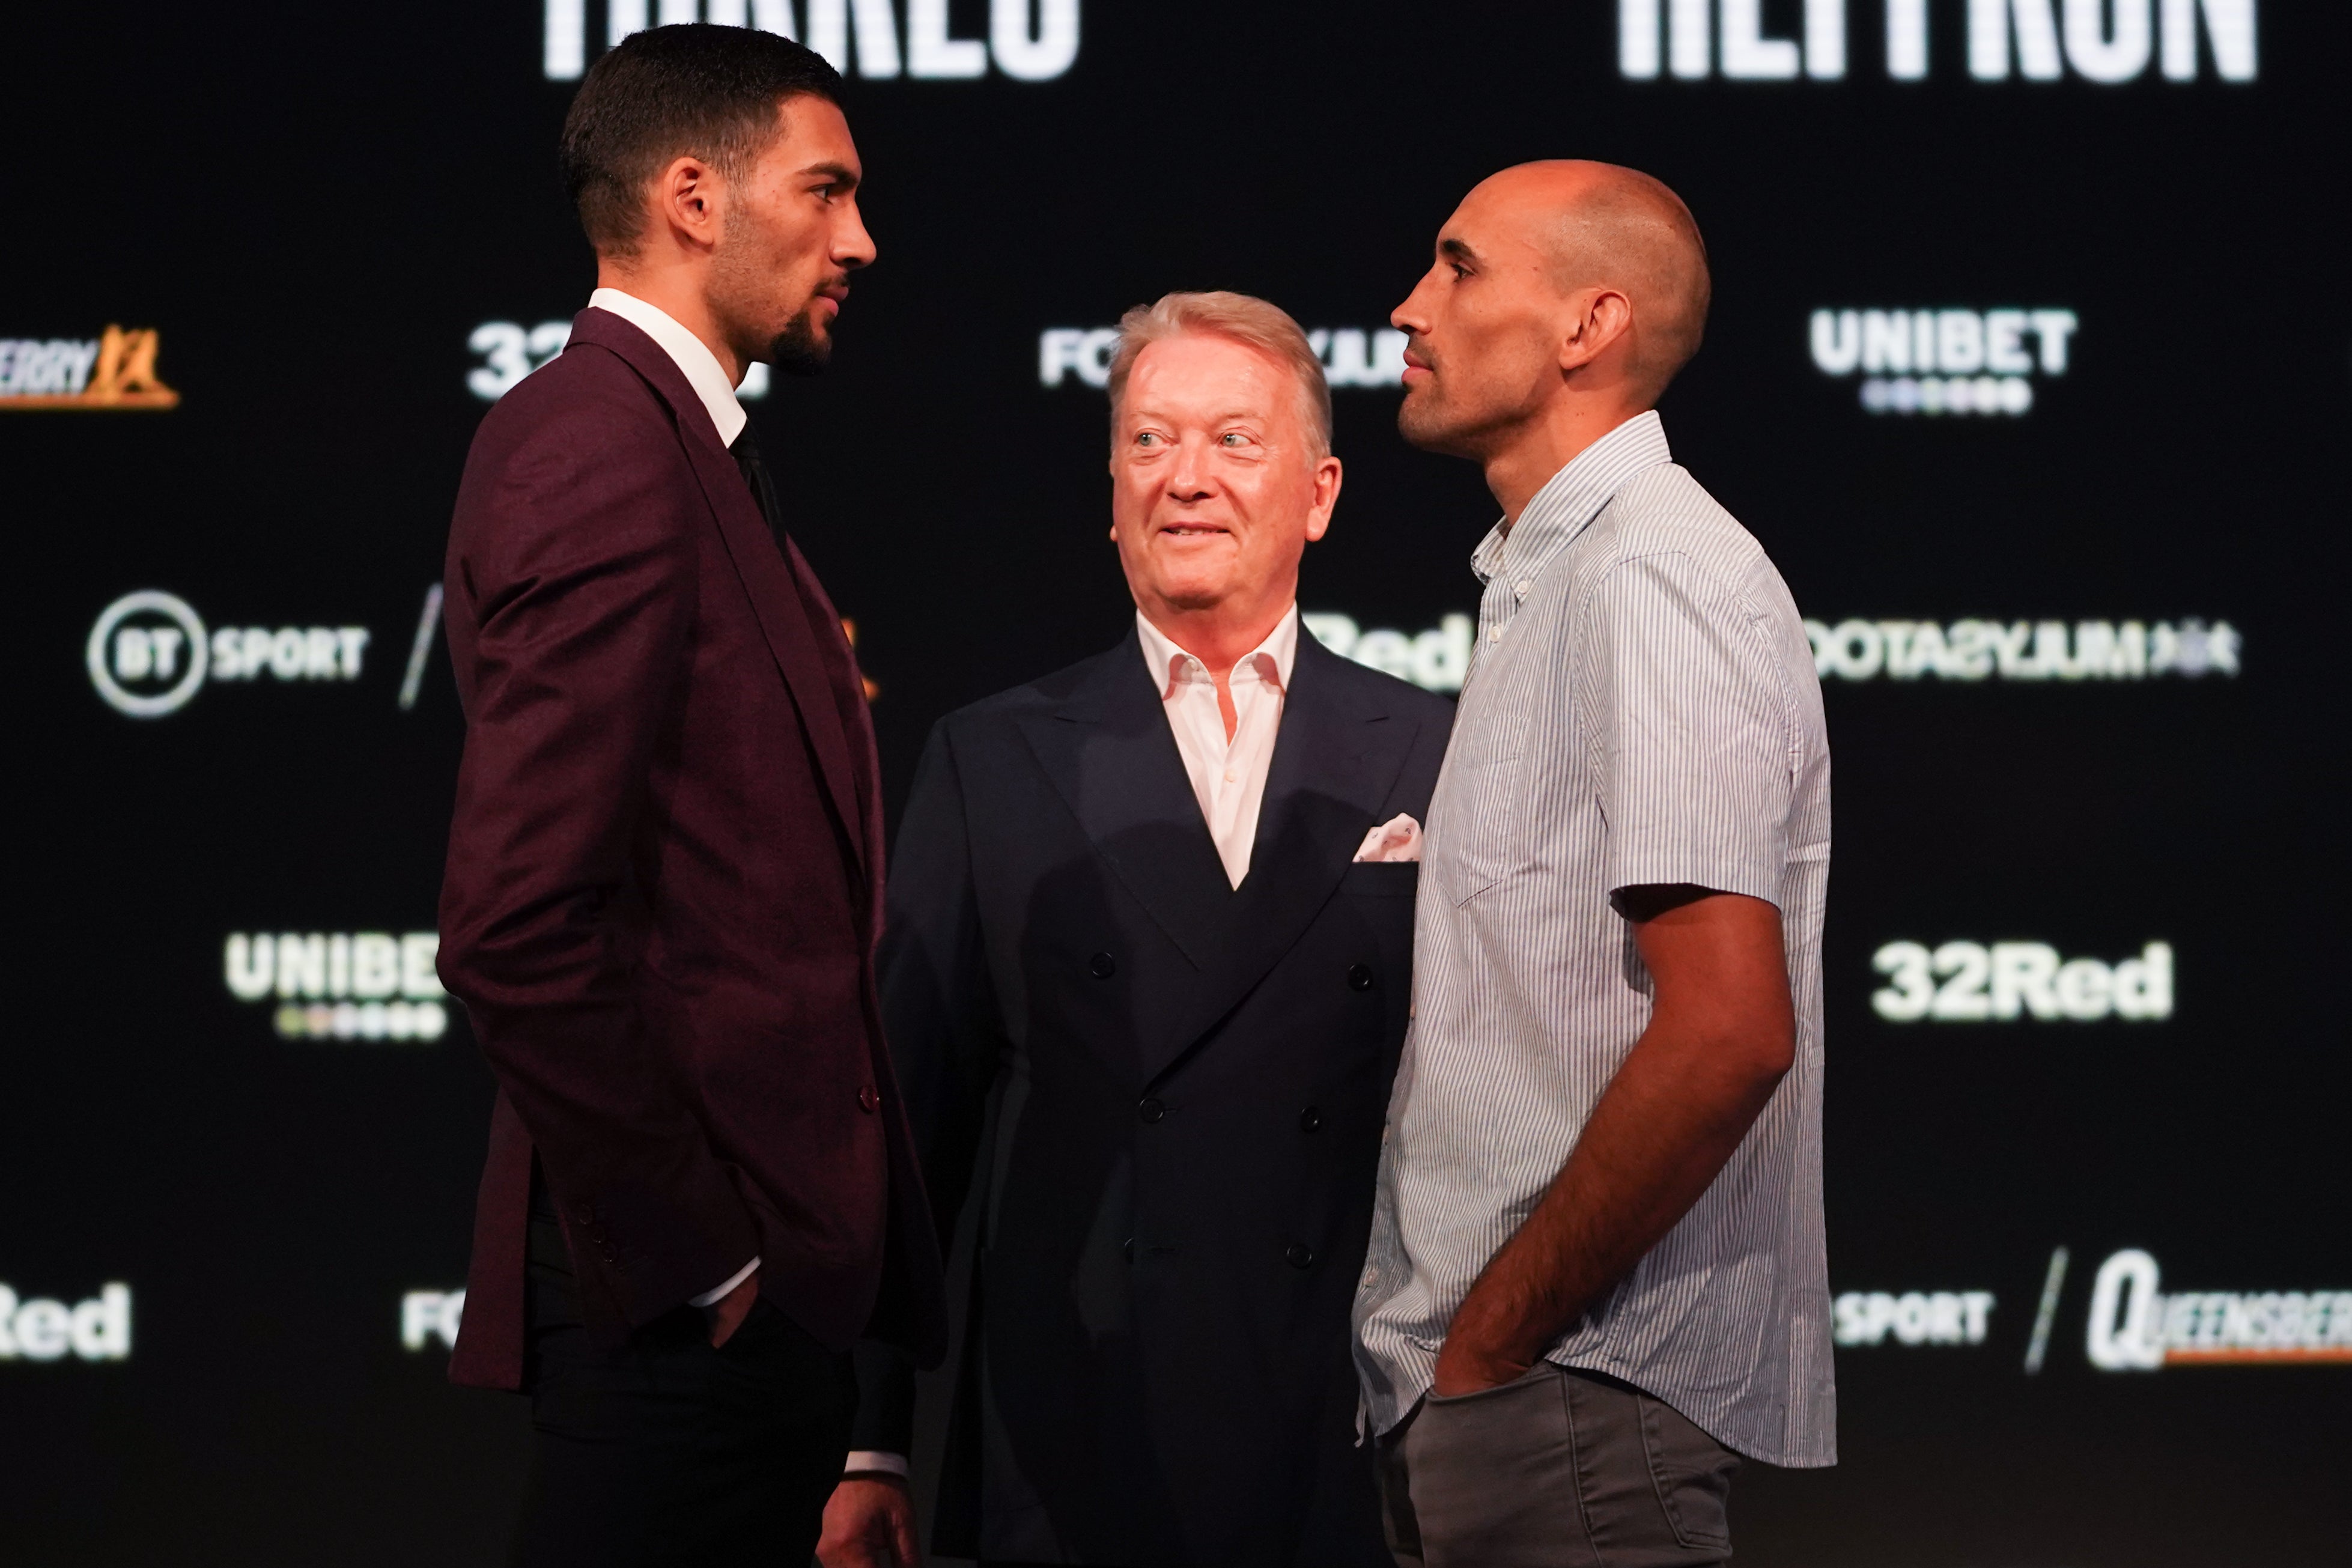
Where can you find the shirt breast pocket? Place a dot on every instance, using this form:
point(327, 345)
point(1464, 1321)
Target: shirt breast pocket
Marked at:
point(1481, 838)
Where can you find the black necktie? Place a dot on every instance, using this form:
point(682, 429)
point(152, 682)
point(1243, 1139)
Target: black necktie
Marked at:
point(762, 484)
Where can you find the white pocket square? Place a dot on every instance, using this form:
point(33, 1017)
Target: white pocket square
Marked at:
point(1398, 839)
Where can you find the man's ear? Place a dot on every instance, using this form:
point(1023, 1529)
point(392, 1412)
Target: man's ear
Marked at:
point(687, 199)
point(1600, 316)
point(1328, 474)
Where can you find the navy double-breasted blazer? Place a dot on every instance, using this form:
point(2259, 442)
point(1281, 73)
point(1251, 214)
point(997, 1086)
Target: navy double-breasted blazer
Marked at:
point(1165, 1096)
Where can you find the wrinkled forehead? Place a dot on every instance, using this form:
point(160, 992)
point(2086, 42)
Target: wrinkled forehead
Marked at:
point(1206, 375)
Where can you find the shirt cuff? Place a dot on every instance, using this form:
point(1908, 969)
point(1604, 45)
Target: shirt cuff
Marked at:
point(712, 1298)
point(874, 1460)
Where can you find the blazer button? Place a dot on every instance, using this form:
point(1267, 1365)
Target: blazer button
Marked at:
point(585, 1214)
point(1102, 966)
point(1150, 1110)
point(1126, 1249)
point(1300, 1255)
point(868, 1100)
point(1359, 977)
point(1310, 1119)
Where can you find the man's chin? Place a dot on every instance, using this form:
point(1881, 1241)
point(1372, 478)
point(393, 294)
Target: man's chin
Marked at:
point(801, 348)
point(1429, 424)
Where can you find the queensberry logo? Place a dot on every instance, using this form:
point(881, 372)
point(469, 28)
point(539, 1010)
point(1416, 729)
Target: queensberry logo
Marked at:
point(113, 372)
point(1028, 40)
point(2105, 41)
point(2136, 1327)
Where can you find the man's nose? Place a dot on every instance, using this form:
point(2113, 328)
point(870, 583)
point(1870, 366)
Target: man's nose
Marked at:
point(1410, 317)
point(1187, 475)
point(852, 245)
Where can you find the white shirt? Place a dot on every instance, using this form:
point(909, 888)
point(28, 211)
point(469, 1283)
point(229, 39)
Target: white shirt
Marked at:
point(1642, 711)
point(1228, 775)
point(702, 372)
point(689, 353)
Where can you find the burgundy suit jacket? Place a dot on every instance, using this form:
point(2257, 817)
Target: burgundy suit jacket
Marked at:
point(664, 885)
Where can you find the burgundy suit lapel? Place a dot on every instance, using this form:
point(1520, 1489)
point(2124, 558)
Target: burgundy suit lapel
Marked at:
point(776, 600)
point(858, 722)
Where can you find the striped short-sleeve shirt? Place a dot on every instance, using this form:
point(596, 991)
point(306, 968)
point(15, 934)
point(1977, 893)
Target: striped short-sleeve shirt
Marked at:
point(1642, 709)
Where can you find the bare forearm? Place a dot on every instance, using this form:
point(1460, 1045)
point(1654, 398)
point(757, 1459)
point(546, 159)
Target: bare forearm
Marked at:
point(1662, 1132)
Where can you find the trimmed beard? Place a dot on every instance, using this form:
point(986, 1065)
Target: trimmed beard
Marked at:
point(798, 350)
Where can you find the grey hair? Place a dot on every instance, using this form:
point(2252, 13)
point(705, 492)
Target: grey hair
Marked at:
point(1244, 319)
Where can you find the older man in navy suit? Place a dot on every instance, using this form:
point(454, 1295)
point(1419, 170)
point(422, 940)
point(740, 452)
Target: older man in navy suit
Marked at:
point(1151, 925)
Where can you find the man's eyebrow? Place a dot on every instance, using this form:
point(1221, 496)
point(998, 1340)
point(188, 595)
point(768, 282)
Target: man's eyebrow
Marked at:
point(1456, 250)
point(840, 173)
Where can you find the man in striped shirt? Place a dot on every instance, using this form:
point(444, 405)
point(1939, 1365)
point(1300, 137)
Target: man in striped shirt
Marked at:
point(1597, 1272)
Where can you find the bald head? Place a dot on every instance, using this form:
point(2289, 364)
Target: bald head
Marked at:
point(1561, 299)
point(1599, 226)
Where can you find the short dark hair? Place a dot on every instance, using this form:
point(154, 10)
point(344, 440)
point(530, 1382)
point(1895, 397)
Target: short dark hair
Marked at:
point(670, 92)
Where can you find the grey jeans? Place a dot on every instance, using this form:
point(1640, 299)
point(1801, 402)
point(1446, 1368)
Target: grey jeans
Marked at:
point(1561, 1470)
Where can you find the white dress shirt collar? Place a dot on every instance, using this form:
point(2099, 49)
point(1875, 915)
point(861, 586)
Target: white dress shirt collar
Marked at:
point(689, 353)
point(1170, 664)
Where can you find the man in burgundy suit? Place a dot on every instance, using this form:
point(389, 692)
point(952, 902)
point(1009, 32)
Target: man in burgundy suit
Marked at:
point(664, 883)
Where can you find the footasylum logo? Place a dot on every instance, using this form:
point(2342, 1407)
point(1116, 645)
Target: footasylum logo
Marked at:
point(150, 653)
point(115, 372)
point(1435, 660)
point(2008, 982)
point(1351, 356)
point(2136, 1327)
point(2104, 41)
point(429, 1315)
point(508, 352)
point(42, 1330)
point(341, 985)
point(1028, 40)
point(1913, 1318)
point(1945, 360)
point(1973, 649)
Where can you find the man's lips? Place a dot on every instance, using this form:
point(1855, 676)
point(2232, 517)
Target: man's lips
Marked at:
point(1193, 530)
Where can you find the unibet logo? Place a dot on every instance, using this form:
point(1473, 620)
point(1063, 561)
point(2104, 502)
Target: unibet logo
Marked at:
point(116, 372)
point(1437, 660)
point(2136, 1328)
point(150, 654)
point(1028, 40)
point(1913, 1318)
point(97, 1329)
point(1944, 361)
point(1971, 650)
point(427, 1315)
point(1351, 356)
point(359, 986)
point(2106, 41)
point(2012, 980)
point(511, 352)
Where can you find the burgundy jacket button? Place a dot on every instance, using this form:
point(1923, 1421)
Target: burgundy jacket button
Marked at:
point(868, 1100)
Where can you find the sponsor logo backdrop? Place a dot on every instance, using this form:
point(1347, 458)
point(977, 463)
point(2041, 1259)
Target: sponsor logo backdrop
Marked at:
point(2024, 366)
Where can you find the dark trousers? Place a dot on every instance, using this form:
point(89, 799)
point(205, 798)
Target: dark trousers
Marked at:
point(1562, 1468)
point(666, 1453)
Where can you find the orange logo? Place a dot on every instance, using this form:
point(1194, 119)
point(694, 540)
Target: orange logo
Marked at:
point(115, 372)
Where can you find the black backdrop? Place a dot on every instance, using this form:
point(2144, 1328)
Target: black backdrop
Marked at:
point(315, 209)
